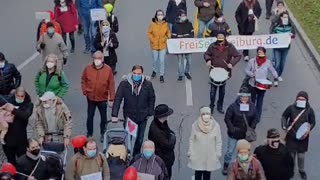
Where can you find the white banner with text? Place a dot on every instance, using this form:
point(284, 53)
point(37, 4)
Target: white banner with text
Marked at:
point(196, 45)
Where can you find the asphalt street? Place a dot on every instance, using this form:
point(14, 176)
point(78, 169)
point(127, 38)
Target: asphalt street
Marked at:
point(17, 41)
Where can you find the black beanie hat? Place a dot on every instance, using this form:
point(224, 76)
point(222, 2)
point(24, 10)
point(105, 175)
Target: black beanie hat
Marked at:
point(2, 57)
point(273, 133)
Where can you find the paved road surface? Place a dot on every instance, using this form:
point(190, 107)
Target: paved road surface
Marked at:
point(17, 39)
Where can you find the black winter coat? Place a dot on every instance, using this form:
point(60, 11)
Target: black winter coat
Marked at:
point(288, 116)
point(137, 106)
point(112, 50)
point(235, 121)
point(17, 132)
point(114, 24)
point(278, 163)
point(10, 78)
point(244, 24)
point(172, 12)
point(164, 140)
point(182, 30)
point(26, 165)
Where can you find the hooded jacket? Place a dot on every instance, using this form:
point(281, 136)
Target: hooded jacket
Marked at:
point(255, 172)
point(158, 34)
point(234, 120)
point(21, 113)
point(207, 13)
point(112, 50)
point(182, 29)
point(164, 140)
point(172, 12)
point(56, 82)
point(288, 116)
point(63, 119)
point(242, 17)
point(138, 103)
point(10, 78)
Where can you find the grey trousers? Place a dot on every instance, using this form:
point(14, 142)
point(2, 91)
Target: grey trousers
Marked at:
point(300, 157)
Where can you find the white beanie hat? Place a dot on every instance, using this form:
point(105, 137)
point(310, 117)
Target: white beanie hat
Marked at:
point(205, 110)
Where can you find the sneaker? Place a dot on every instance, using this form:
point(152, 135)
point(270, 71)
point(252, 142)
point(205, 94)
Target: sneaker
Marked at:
point(101, 138)
point(153, 75)
point(161, 79)
point(72, 51)
point(225, 169)
point(303, 175)
point(276, 84)
point(221, 111)
point(180, 78)
point(246, 58)
point(188, 76)
point(280, 79)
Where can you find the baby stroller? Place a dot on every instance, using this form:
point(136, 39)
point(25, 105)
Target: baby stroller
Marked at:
point(117, 148)
point(56, 155)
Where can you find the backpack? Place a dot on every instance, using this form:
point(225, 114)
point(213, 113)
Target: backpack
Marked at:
point(98, 159)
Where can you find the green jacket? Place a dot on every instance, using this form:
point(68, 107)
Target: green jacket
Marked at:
point(57, 84)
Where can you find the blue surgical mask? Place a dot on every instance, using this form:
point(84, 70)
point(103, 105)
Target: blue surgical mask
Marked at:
point(243, 158)
point(50, 31)
point(136, 78)
point(147, 154)
point(19, 101)
point(91, 153)
point(105, 29)
point(301, 103)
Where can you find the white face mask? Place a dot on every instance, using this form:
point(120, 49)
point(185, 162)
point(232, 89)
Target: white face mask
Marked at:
point(301, 103)
point(285, 21)
point(220, 19)
point(206, 117)
point(160, 17)
point(244, 107)
point(46, 106)
point(183, 18)
point(2, 64)
point(50, 65)
point(97, 62)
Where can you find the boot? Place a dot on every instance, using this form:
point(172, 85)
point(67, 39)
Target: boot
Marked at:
point(212, 109)
point(225, 169)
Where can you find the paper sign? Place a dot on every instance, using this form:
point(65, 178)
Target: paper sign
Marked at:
point(98, 14)
point(244, 107)
point(143, 176)
point(93, 176)
point(42, 15)
point(132, 127)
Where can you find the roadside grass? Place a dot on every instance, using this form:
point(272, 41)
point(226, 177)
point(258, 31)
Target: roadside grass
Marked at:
point(307, 12)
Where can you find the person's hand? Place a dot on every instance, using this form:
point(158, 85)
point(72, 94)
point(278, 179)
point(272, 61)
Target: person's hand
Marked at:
point(42, 45)
point(230, 66)
point(13, 91)
point(66, 142)
point(9, 107)
point(206, 4)
point(209, 63)
point(40, 140)
point(255, 18)
point(31, 178)
point(114, 119)
point(110, 104)
point(65, 61)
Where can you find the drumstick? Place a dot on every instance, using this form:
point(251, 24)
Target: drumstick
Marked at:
point(23, 174)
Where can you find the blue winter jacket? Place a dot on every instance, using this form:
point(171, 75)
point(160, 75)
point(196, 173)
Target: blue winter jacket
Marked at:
point(84, 7)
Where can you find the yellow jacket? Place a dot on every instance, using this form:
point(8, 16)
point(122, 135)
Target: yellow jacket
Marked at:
point(158, 33)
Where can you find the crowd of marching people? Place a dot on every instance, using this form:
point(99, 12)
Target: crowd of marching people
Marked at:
point(32, 158)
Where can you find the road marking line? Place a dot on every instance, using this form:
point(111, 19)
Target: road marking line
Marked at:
point(188, 85)
point(27, 61)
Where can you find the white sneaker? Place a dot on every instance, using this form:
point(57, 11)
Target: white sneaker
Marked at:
point(246, 58)
point(276, 84)
point(280, 79)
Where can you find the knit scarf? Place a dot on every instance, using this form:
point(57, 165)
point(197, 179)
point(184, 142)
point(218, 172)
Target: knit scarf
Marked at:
point(205, 127)
point(260, 61)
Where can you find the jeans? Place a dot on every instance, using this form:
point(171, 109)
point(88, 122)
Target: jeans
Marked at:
point(71, 37)
point(268, 7)
point(102, 107)
point(202, 175)
point(158, 57)
point(213, 92)
point(301, 157)
point(13, 152)
point(257, 96)
point(231, 147)
point(183, 69)
point(89, 33)
point(202, 26)
point(280, 57)
point(139, 140)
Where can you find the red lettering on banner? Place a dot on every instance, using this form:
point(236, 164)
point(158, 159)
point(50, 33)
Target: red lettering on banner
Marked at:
point(181, 44)
point(259, 42)
point(192, 45)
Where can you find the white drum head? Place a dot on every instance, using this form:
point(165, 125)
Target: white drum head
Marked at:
point(264, 81)
point(219, 74)
point(302, 130)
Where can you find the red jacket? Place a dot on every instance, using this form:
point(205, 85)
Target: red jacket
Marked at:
point(68, 19)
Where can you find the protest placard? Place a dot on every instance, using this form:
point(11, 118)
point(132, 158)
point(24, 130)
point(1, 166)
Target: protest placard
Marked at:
point(132, 127)
point(98, 14)
point(42, 15)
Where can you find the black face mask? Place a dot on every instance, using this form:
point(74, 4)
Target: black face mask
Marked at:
point(35, 152)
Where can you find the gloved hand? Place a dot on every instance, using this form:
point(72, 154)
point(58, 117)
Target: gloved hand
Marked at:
point(42, 45)
point(65, 61)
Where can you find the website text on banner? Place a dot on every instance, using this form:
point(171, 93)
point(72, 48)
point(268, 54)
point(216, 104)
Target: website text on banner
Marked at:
point(195, 45)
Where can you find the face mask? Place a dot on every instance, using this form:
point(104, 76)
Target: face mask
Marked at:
point(2, 64)
point(35, 152)
point(50, 31)
point(274, 143)
point(261, 56)
point(136, 78)
point(243, 158)
point(160, 17)
point(46, 106)
point(220, 41)
point(50, 65)
point(91, 153)
point(97, 62)
point(285, 21)
point(19, 101)
point(183, 18)
point(105, 29)
point(147, 154)
point(301, 103)
point(244, 107)
point(206, 118)
point(220, 19)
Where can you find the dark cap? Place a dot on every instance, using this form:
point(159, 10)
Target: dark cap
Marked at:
point(273, 133)
point(2, 57)
point(162, 110)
